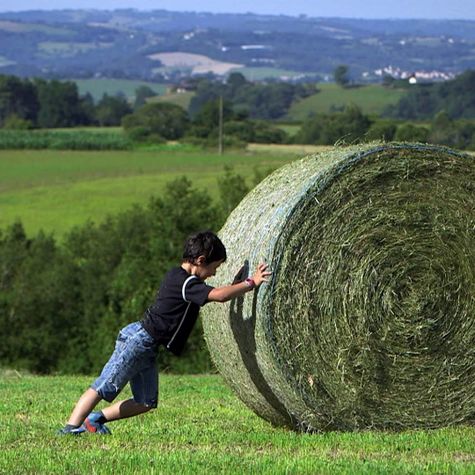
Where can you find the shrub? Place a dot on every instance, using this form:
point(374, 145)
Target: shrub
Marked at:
point(161, 119)
point(411, 133)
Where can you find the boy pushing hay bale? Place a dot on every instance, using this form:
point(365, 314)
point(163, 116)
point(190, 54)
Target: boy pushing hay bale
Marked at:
point(369, 319)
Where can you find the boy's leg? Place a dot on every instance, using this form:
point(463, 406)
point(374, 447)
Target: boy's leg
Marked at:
point(92, 396)
point(133, 360)
point(87, 402)
point(144, 387)
point(124, 409)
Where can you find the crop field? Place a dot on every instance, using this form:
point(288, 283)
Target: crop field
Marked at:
point(201, 427)
point(371, 99)
point(56, 190)
point(194, 63)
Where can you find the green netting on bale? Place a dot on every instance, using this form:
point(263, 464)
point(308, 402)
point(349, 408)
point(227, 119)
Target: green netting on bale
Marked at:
point(369, 320)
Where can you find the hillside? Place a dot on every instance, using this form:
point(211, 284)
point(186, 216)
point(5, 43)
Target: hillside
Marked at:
point(130, 44)
point(372, 100)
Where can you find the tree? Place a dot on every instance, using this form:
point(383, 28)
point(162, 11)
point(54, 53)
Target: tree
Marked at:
point(381, 131)
point(232, 189)
point(456, 97)
point(162, 119)
point(206, 91)
point(341, 75)
point(208, 116)
point(348, 126)
point(142, 93)
point(18, 98)
point(264, 132)
point(59, 104)
point(88, 108)
point(235, 82)
point(411, 133)
point(453, 133)
point(266, 101)
point(111, 109)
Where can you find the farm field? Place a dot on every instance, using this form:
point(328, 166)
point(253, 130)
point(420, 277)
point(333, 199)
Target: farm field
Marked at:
point(262, 73)
point(371, 99)
point(98, 87)
point(188, 62)
point(56, 190)
point(201, 427)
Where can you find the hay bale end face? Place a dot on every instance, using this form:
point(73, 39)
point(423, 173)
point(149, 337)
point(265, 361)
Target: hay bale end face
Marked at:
point(369, 319)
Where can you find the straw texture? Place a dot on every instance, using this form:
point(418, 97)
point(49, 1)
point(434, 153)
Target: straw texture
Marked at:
point(369, 320)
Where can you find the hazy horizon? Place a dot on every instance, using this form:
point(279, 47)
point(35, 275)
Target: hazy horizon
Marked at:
point(371, 9)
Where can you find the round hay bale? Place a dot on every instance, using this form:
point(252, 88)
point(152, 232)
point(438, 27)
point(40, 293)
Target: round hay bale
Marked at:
point(369, 318)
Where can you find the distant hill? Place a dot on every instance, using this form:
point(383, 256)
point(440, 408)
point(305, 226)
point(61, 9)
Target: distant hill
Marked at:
point(147, 46)
point(371, 99)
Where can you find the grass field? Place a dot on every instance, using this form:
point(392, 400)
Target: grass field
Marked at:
point(56, 190)
point(371, 99)
point(259, 74)
point(201, 427)
point(67, 49)
point(98, 87)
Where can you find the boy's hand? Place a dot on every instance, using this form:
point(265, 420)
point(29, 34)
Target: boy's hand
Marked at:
point(261, 274)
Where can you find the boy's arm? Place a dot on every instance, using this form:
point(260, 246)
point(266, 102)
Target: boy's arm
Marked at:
point(228, 292)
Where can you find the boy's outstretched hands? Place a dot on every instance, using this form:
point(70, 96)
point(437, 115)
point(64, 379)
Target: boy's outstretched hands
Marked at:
point(261, 274)
point(240, 284)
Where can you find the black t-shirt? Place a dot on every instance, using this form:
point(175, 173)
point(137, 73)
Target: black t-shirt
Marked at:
point(173, 315)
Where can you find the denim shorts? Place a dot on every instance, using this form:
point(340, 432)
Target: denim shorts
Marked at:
point(134, 360)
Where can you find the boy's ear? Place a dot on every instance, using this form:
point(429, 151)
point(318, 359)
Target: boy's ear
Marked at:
point(201, 260)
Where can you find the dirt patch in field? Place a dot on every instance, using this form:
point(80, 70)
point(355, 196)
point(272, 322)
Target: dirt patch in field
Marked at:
point(196, 62)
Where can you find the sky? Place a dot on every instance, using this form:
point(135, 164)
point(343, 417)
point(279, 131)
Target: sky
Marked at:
point(427, 9)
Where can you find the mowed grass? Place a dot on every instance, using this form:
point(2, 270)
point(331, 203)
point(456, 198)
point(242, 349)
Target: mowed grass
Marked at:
point(372, 99)
point(201, 427)
point(56, 190)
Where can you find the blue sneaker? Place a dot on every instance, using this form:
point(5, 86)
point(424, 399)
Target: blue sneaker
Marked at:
point(71, 430)
point(91, 424)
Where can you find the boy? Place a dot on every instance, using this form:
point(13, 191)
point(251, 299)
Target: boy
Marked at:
point(169, 322)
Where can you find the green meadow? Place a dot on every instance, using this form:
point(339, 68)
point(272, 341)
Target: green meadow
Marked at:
point(56, 190)
point(371, 99)
point(201, 427)
point(262, 73)
point(98, 87)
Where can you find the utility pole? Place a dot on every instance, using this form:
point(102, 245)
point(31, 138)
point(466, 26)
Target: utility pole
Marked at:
point(220, 143)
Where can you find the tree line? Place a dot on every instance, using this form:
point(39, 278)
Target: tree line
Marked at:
point(161, 121)
point(456, 97)
point(40, 103)
point(238, 110)
point(352, 126)
point(28, 103)
point(244, 106)
point(61, 303)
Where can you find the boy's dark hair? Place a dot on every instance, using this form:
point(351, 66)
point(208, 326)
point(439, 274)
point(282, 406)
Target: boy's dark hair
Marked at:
point(204, 243)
